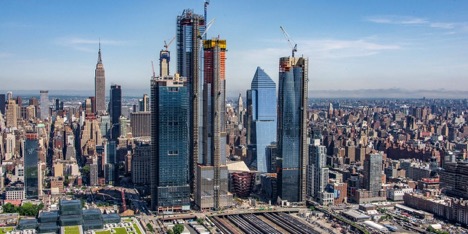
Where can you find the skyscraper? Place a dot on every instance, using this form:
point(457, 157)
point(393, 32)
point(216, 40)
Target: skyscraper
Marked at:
point(31, 160)
point(12, 114)
point(100, 85)
point(144, 103)
point(373, 173)
point(317, 173)
point(115, 110)
point(2, 103)
point(170, 188)
point(261, 102)
point(44, 104)
point(212, 175)
point(292, 131)
point(190, 27)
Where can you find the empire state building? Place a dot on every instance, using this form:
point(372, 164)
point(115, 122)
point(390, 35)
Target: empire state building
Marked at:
point(100, 85)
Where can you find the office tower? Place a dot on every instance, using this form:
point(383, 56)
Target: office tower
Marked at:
point(170, 188)
point(271, 154)
point(189, 27)
point(140, 166)
point(2, 104)
point(373, 173)
point(292, 129)
point(100, 85)
point(9, 96)
point(93, 104)
point(12, 114)
point(317, 173)
point(109, 173)
point(164, 59)
point(88, 106)
point(140, 123)
point(93, 174)
point(105, 125)
point(19, 101)
point(144, 103)
point(111, 154)
point(57, 104)
point(124, 124)
point(31, 160)
point(455, 179)
point(261, 101)
point(115, 110)
point(212, 181)
point(44, 104)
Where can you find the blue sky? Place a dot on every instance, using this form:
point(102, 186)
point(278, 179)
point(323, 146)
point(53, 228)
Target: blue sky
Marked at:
point(351, 44)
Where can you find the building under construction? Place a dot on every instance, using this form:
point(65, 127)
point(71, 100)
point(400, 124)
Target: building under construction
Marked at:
point(212, 184)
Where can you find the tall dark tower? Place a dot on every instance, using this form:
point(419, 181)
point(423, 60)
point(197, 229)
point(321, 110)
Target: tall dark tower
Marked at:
point(170, 189)
point(115, 110)
point(190, 27)
point(100, 84)
point(292, 128)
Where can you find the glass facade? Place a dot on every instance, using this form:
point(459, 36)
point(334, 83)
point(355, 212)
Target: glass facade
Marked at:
point(292, 110)
point(261, 100)
point(373, 173)
point(170, 137)
point(189, 27)
point(31, 158)
point(115, 110)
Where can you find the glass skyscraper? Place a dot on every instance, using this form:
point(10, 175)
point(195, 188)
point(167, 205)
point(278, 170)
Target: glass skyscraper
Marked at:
point(292, 129)
point(31, 159)
point(115, 110)
point(373, 173)
point(190, 27)
point(170, 189)
point(261, 101)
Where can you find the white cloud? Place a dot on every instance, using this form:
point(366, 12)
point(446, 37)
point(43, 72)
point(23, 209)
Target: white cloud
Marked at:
point(397, 20)
point(336, 49)
point(322, 53)
point(86, 45)
point(415, 21)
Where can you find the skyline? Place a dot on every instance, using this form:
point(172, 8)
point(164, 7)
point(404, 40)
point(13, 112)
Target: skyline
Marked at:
point(365, 45)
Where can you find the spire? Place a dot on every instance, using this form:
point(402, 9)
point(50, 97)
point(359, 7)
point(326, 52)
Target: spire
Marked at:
point(99, 61)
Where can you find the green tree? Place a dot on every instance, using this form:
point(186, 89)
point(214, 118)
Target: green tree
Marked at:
point(170, 231)
point(200, 221)
point(150, 227)
point(178, 228)
point(10, 208)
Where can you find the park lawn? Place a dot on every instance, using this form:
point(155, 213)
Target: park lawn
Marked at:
point(120, 231)
point(72, 230)
point(103, 232)
point(5, 230)
point(138, 231)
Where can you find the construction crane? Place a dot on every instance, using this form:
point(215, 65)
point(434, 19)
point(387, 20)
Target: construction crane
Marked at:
point(208, 26)
point(290, 41)
point(166, 45)
point(152, 67)
point(207, 2)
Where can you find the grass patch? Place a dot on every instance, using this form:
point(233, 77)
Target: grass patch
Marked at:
point(138, 231)
point(5, 230)
point(103, 232)
point(120, 230)
point(72, 230)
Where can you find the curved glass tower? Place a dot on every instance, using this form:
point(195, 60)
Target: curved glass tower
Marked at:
point(292, 128)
